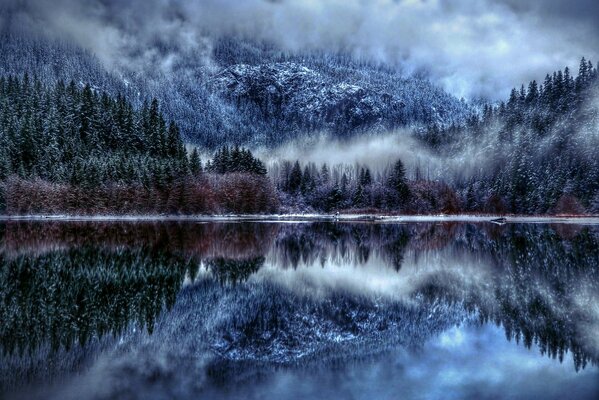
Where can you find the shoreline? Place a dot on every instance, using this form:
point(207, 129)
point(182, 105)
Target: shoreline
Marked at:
point(305, 218)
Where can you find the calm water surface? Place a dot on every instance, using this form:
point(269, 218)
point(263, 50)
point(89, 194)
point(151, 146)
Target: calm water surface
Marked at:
point(142, 310)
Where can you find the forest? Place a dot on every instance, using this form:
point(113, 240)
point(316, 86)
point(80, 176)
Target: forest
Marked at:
point(365, 97)
point(539, 148)
point(71, 149)
point(74, 149)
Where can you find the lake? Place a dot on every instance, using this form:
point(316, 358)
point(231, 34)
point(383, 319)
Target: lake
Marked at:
point(271, 310)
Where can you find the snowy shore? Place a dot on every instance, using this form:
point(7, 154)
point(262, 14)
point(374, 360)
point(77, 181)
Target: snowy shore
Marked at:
point(300, 218)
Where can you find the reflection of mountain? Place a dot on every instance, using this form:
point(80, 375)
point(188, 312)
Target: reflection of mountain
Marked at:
point(270, 294)
point(260, 321)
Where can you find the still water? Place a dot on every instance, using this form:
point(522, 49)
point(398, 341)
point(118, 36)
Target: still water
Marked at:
point(258, 310)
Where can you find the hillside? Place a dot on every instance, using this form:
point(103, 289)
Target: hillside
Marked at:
point(249, 93)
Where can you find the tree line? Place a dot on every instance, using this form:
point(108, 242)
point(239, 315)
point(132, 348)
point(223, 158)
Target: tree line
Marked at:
point(356, 188)
point(75, 134)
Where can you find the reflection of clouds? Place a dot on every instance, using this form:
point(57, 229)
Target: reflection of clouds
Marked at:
point(370, 280)
point(478, 362)
point(521, 293)
point(375, 278)
point(532, 289)
point(587, 305)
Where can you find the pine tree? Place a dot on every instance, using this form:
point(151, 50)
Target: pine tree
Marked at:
point(583, 72)
point(533, 93)
point(365, 177)
point(87, 116)
point(334, 198)
point(398, 183)
point(295, 178)
point(62, 133)
point(324, 174)
point(174, 144)
point(195, 164)
point(308, 183)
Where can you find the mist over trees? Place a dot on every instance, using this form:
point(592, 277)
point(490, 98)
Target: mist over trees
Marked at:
point(53, 60)
point(355, 188)
point(535, 154)
point(71, 148)
point(539, 147)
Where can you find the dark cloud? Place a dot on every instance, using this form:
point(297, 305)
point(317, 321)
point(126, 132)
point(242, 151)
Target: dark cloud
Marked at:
point(472, 48)
point(580, 10)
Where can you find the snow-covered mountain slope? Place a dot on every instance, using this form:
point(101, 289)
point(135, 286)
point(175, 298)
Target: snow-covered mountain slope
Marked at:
point(249, 94)
point(305, 97)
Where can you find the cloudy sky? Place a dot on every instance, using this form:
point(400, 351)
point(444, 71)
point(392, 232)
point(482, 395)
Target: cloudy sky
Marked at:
point(470, 47)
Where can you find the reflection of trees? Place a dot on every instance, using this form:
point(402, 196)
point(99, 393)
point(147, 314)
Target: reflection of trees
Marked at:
point(233, 270)
point(51, 292)
point(546, 273)
point(395, 247)
point(354, 244)
point(533, 288)
point(537, 271)
point(64, 283)
point(69, 297)
point(199, 240)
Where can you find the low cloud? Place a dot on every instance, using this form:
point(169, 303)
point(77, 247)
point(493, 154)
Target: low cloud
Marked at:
point(379, 151)
point(472, 49)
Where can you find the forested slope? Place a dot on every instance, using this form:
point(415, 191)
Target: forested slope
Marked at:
point(537, 150)
point(279, 96)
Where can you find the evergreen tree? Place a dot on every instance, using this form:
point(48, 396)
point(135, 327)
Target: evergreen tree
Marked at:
point(66, 134)
point(195, 164)
point(397, 181)
point(229, 160)
point(295, 178)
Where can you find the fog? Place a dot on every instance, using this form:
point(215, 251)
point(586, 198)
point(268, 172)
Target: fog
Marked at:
point(379, 151)
point(472, 49)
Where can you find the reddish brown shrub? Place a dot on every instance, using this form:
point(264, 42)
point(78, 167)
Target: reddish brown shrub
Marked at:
point(230, 193)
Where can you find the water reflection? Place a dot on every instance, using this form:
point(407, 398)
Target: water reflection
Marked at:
point(461, 363)
point(126, 305)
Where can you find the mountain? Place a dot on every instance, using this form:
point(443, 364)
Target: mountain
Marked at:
point(311, 100)
point(258, 95)
point(250, 93)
